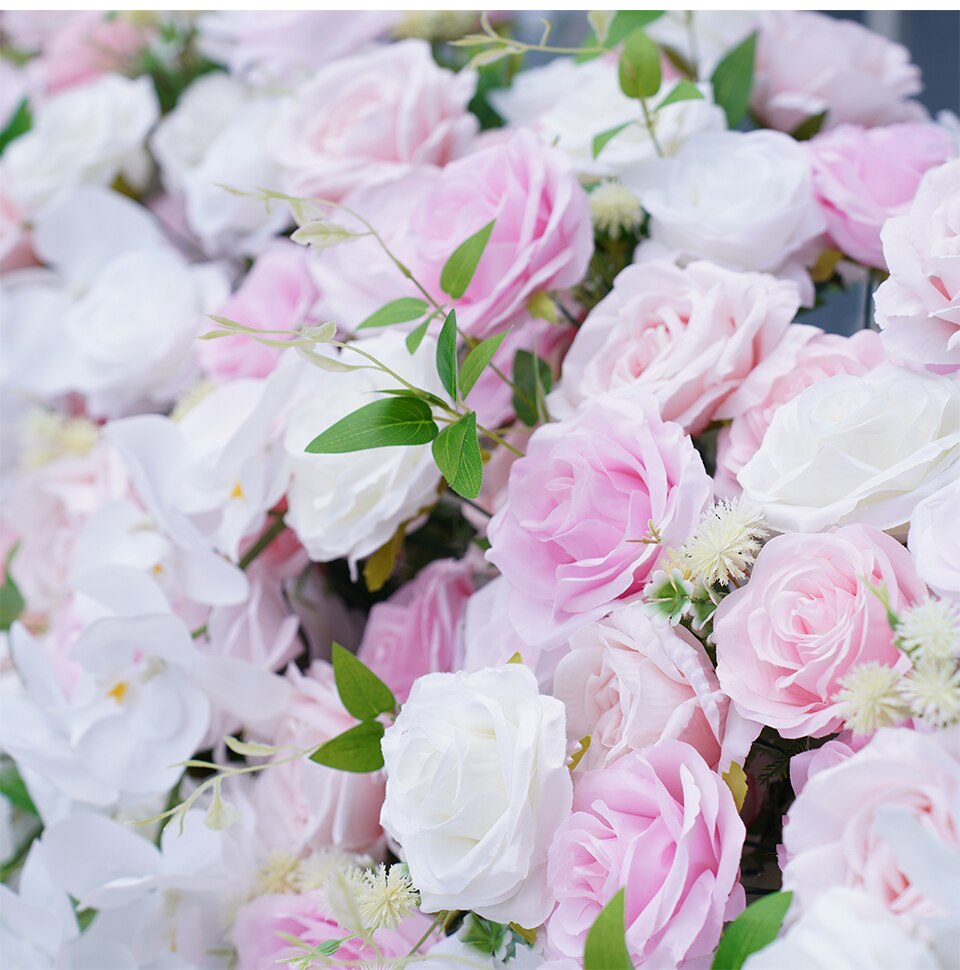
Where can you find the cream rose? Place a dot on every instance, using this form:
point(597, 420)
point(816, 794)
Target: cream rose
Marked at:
point(857, 449)
point(477, 785)
point(935, 540)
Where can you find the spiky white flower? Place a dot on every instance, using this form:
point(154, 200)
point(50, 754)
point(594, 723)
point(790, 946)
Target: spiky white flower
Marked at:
point(51, 435)
point(615, 209)
point(933, 692)
point(931, 629)
point(726, 543)
point(386, 897)
point(870, 698)
point(278, 874)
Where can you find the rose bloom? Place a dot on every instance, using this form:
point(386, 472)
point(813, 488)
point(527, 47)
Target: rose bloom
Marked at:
point(741, 199)
point(306, 916)
point(805, 356)
point(934, 540)
point(371, 118)
point(417, 630)
point(808, 63)
point(918, 306)
point(349, 505)
point(787, 638)
point(569, 539)
point(631, 679)
point(276, 294)
point(662, 825)
point(477, 784)
point(302, 805)
point(844, 929)
point(884, 821)
point(862, 177)
point(856, 449)
point(688, 336)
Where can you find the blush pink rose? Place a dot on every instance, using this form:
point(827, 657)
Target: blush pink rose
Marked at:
point(688, 336)
point(805, 619)
point(302, 805)
point(918, 305)
point(862, 177)
point(663, 826)
point(278, 293)
point(884, 820)
point(805, 356)
point(809, 763)
point(631, 679)
point(370, 118)
point(417, 630)
point(808, 63)
point(306, 916)
point(580, 503)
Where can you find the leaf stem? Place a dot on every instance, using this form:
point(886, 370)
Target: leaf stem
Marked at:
point(648, 122)
point(437, 921)
point(265, 539)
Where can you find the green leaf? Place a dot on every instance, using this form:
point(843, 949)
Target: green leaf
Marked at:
point(531, 384)
point(447, 354)
point(19, 124)
point(384, 423)
point(15, 791)
point(756, 927)
point(477, 361)
point(404, 310)
point(484, 935)
point(606, 947)
point(810, 127)
point(600, 141)
point(683, 90)
point(457, 454)
point(458, 270)
point(624, 22)
point(362, 692)
point(733, 78)
point(415, 337)
point(640, 72)
point(356, 750)
point(601, 22)
point(11, 599)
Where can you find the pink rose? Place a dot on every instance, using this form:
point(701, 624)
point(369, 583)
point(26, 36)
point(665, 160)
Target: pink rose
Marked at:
point(934, 540)
point(688, 336)
point(303, 805)
point(570, 538)
point(808, 63)
point(371, 118)
point(805, 619)
point(417, 630)
point(809, 763)
point(884, 820)
point(305, 916)
point(862, 177)
point(630, 680)
point(662, 825)
point(278, 293)
point(918, 306)
point(805, 356)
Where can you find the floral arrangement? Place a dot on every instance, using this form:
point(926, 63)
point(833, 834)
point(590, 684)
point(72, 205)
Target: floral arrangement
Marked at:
point(433, 531)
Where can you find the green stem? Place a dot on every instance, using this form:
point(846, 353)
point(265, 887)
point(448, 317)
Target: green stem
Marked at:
point(437, 920)
point(16, 860)
point(265, 539)
point(648, 121)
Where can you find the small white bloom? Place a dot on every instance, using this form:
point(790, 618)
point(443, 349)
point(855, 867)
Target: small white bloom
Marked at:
point(931, 629)
point(871, 698)
point(615, 209)
point(933, 692)
point(386, 897)
point(726, 543)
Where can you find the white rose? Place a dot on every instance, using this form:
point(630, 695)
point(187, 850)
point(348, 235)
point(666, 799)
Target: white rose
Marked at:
point(845, 929)
point(857, 449)
point(741, 199)
point(351, 504)
point(569, 104)
point(477, 785)
point(935, 540)
point(88, 135)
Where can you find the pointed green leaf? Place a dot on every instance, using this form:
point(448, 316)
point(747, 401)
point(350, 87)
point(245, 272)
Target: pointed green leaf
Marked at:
point(404, 310)
point(362, 692)
point(381, 424)
point(415, 337)
point(457, 454)
point(12, 788)
point(756, 927)
point(19, 124)
point(624, 22)
point(600, 141)
point(355, 750)
point(477, 361)
point(447, 354)
point(12, 602)
point(531, 385)
point(640, 71)
point(810, 127)
point(459, 268)
point(606, 946)
point(732, 80)
point(683, 90)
